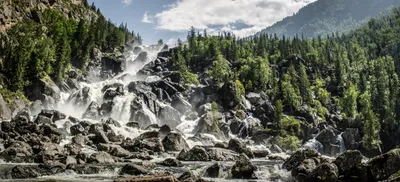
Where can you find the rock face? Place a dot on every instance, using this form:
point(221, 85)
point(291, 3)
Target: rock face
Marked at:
point(385, 165)
point(113, 62)
point(214, 171)
point(243, 168)
point(133, 169)
point(169, 116)
point(351, 138)
point(174, 142)
point(92, 111)
point(44, 86)
point(348, 162)
point(298, 157)
point(5, 112)
point(326, 172)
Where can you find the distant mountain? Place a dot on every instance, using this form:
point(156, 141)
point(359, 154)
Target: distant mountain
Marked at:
point(326, 16)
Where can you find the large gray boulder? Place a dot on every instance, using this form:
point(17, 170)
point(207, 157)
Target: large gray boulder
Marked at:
point(92, 112)
point(197, 153)
point(208, 123)
point(351, 138)
point(174, 142)
point(43, 86)
point(169, 116)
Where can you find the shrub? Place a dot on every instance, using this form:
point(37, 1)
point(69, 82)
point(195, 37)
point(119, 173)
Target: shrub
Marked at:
point(288, 142)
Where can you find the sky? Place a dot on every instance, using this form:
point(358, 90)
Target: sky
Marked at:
point(171, 20)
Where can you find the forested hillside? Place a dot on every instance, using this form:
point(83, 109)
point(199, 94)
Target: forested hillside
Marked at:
point(50, 38)
point(348, 81)
point(325, 16)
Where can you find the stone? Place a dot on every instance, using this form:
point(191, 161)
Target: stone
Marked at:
point(239, 147)
point(298, 157)
point(133, 169)
point(113, 122)
point(214, 171)
point(92, 112)
point(180, 104)
point(42, 86)
point(197, 153)
point(22, 172)
point(325, 172)
point(243, 168)
point(348, 162)
point(169, 116)
point(385, 165)
point(69, 160)
point(118, 151)
point(220, 154)
point(174, 142)
point(78, 129)
point(170, 162)
point(40, 119)
point(139, 87)
point(260, 153)
point(209, 124)
point(351, 138)
point(101, 158)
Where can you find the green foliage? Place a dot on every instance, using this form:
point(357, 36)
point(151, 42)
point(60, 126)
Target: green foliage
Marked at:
point(290, 96)
point(255, 73)
point(289, 126)
point(220, 71)
point(9, 97)
point(240, 114)
point(348, 103)
point(278, 114)
point(239, 90)
point(288, 142)
point(371, 139)
point(214, 110)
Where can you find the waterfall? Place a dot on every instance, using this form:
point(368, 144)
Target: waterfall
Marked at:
point(313, 144)
point(341, 143)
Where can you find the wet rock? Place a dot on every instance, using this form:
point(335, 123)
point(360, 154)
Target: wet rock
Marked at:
point(304, 170)
point(87, 169)
point(73, 119)
point(133, 169)
point(69, 160)
point(385, 165)
point(254, 98)
point(239, 147)
point(112, 62)
point(260, 153)
point(209, 124)
point(101, 158)
point(149, 134)
point(114, 86)
point(100, 137)
point(110, 94)
point(49, 130)
point(92, 111)
point(79, 139)
point(50, 151)
point(22, 172)
point(298, 157)
point(72, 149)
point(118, 151)
point(113, 122)
point(22, 117)
point(165, 129)
point(243, 168)
point(169, 116)
point(18, 148)
point(214, 171)
point(164, 85)
point(188, 176)
point(326, 172)
point(58, 116)
point(180, 104)
point(142, 117)
point(174, 142)
point(197, 153)
point(170, 162)
point(133, 125)
point(149, 179)
point(220, 154)
point(139, 87)
point(78, 129)
point(228, 95)
point(5, 111)
point(43, 120)
point(348, 162)
point(136, 145)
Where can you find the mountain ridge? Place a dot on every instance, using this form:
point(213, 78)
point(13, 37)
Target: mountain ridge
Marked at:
point(323, 17)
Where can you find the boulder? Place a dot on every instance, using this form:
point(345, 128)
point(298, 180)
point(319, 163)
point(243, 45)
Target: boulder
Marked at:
point(110, 94)
point(18, 148)
point(214, 171)
point(197, 153)
point(118, 151)
point(136, 145)
point(228, 95)
point(92, 112)
point(133, 169)
point(169, 116)
point(239, 147)
point(165, 129)
point(220, 154)
point(325, 172)
point(133, 125)
point(304, 170)
point(112, 86)
point(385, 165)
point(298, 157)
point(113, 63)
point(101, 158)
point(77, 129)
point(243, 168)
point(254, 98)
point(180, 104)
point(69, 160)
point(174, 142)
point(40, 119)
point(143, 118)
point(260, 153)
point(165, 85)
point(22, 172)
point(348, 162)
point(170, 162)
point(113, 122)
point(5, 111)
point(42, 86)
point(139, 87)
point(208, 123)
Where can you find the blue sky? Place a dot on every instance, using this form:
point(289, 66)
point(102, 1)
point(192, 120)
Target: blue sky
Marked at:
point(171, 19)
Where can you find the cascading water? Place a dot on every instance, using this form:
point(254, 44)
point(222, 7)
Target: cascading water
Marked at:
point(341, 143)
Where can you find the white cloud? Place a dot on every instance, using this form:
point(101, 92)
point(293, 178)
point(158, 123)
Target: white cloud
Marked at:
point(147, 18)
point(127, 2)
point(225, 14)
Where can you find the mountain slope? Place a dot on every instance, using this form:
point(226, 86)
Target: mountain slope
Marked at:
point(325, 16)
